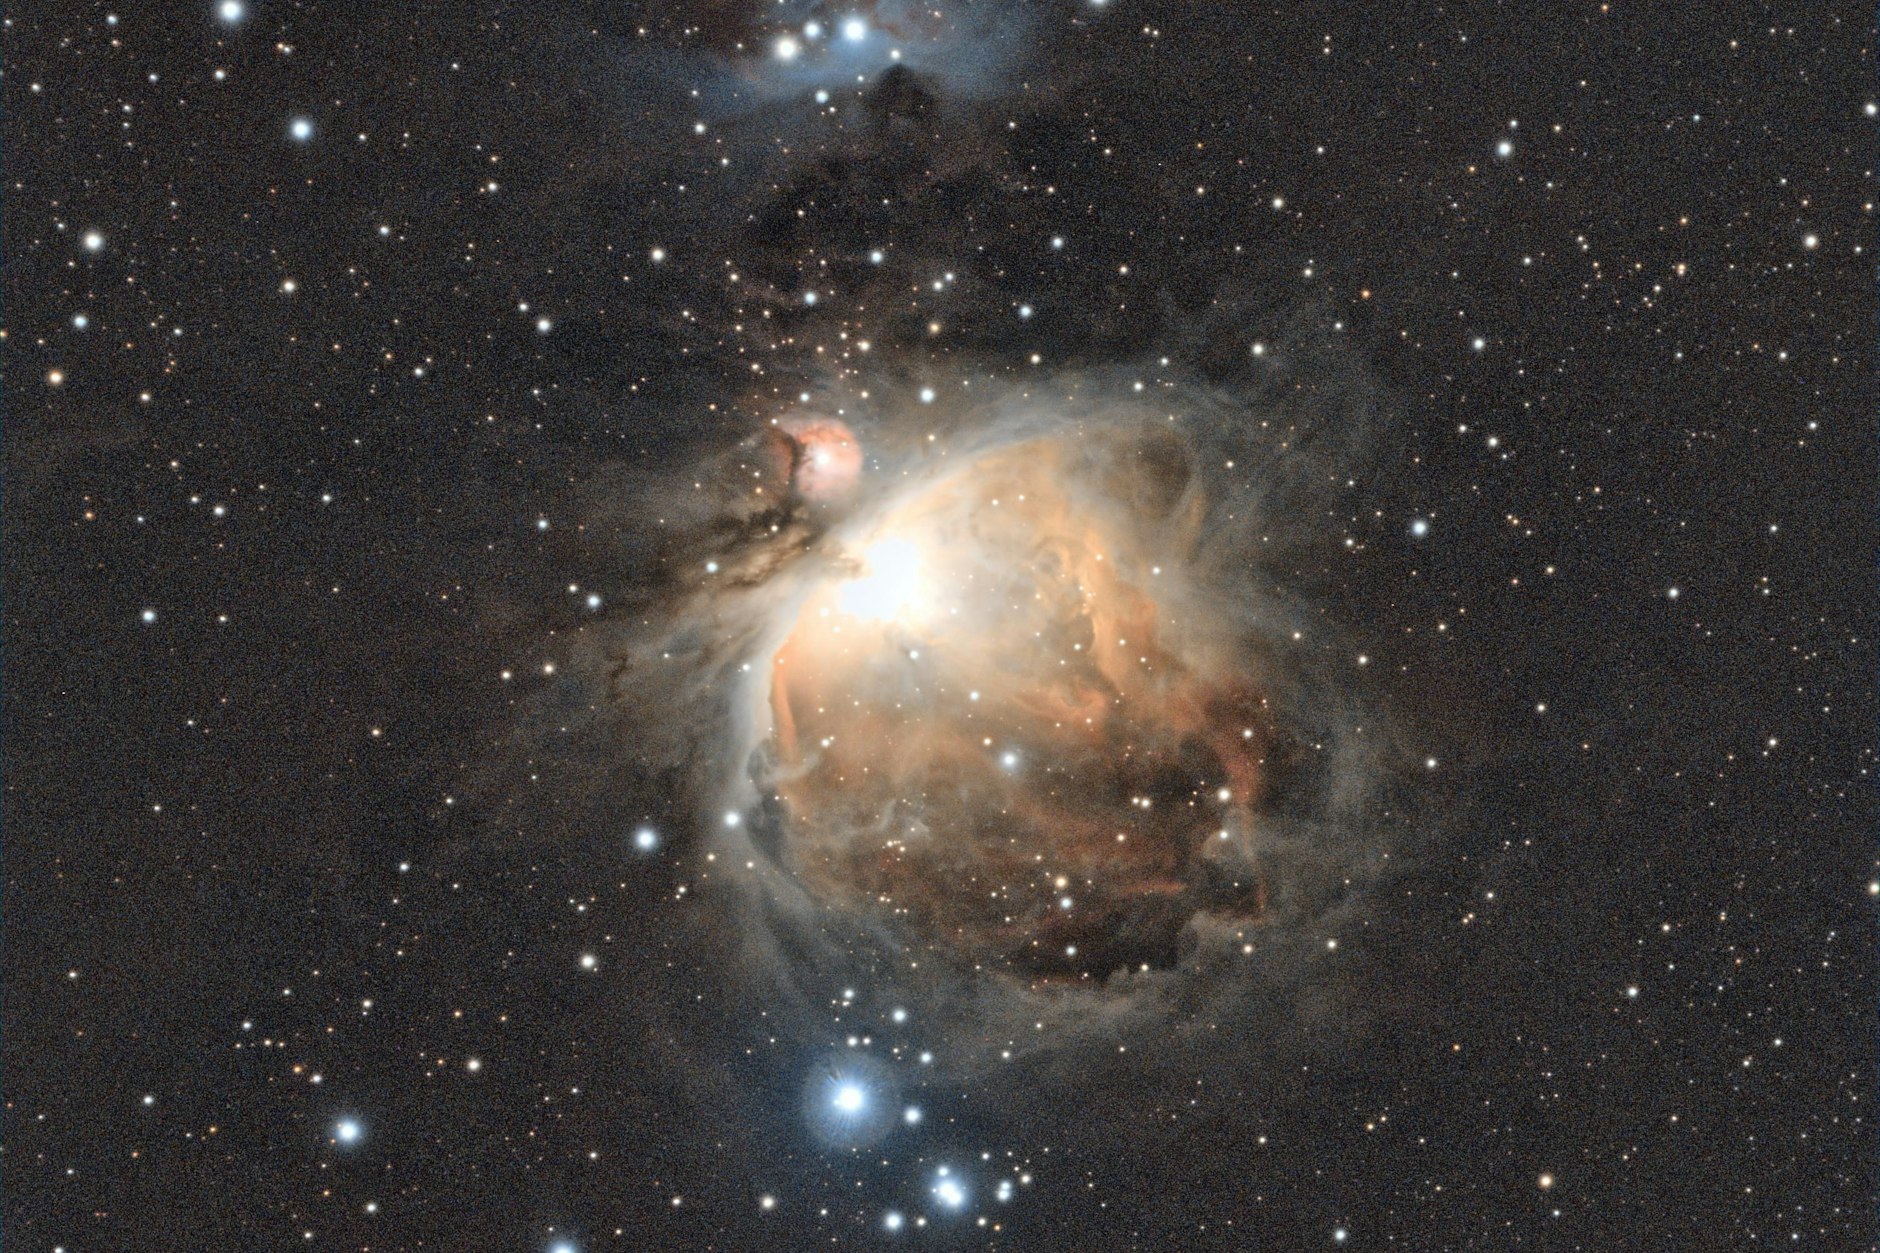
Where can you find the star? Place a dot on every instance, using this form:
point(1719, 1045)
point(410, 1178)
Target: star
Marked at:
point(948, 1190)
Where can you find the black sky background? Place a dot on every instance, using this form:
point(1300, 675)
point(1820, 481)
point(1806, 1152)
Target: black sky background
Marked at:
point(202, 814)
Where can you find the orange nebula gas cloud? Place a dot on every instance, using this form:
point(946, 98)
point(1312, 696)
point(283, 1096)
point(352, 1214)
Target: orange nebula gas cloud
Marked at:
point(825, 458)
point(1007, 723)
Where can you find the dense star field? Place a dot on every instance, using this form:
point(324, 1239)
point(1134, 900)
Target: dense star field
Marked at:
point(1101, 624)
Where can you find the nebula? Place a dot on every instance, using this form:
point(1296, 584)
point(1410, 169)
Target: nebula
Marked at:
point(996, 728)
point(996, 711)
point(822, 456)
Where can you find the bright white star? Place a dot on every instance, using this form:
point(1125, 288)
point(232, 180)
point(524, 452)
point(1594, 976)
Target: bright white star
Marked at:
point(948, 1189)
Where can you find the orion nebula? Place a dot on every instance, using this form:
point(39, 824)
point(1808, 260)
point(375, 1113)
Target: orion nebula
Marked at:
point(997, 708)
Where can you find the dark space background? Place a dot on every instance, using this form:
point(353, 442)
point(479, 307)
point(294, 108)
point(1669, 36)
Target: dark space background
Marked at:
point(284, 850)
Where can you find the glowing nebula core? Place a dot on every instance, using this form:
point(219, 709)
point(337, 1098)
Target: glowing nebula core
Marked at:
point(1005, 721)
